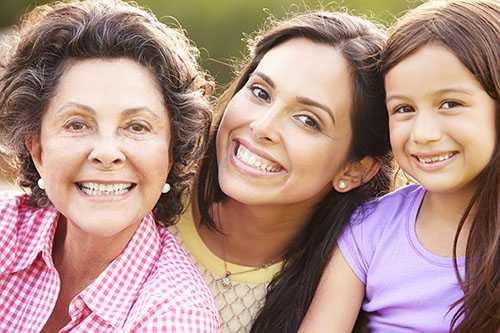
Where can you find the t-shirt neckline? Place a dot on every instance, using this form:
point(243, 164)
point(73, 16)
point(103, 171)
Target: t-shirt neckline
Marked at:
point(434, 259)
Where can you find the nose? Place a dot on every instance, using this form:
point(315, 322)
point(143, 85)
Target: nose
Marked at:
point(106, 153)
point(426, 128)
point(266, 126)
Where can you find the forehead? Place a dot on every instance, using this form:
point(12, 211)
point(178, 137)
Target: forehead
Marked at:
point(433, 64)
point(306, 68)
point(108, 84)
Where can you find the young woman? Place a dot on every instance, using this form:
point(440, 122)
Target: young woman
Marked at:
point(427, 258)
point(101, 110)
point(299, 145)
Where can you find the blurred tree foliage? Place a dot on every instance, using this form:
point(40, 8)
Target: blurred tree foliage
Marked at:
point(219, 27)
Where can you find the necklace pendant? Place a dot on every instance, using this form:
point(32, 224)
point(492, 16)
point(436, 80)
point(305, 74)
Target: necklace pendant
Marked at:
point(226, 281)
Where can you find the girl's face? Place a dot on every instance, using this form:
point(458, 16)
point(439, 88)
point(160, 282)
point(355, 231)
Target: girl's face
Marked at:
point(103, 151)
point(442, 123)
point(286, 134)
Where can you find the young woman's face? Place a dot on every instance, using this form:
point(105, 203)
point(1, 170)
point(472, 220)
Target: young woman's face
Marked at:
point(442, 123)
point(286, 133)
point(103, 152)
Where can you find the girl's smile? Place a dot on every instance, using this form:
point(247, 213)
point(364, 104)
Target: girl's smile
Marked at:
point(442, 132)
point(434, 160)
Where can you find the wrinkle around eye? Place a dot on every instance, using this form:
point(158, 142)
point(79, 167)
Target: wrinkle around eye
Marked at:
point(76, 126)
point(142, 128)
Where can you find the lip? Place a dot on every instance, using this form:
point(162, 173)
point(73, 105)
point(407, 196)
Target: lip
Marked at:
point(105, 182)
point(106, 198)
point(245, 169)
point(434, 165)
point(257, 151)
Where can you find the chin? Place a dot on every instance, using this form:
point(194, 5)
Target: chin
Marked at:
point(110, 228)
point(238, 192)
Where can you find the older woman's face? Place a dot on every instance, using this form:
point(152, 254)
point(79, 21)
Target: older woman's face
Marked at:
point(104, 146)
point(285, 135)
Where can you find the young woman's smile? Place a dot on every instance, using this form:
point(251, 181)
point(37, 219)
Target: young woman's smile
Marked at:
point(282, 140)
point(254, 161)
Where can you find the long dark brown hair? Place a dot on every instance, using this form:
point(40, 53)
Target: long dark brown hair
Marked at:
point(290, 292)
point(471, 31)
point(52, 35)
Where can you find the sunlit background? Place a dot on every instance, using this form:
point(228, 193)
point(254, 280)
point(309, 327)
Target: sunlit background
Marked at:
point(219, 27)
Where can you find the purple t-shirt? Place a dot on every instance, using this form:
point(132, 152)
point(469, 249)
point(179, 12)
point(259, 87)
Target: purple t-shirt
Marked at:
point(407, 288)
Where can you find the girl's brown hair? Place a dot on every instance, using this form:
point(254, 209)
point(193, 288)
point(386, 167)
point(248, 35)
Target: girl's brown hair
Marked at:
point(470, 29)
point(290, 292)
point(51, 36)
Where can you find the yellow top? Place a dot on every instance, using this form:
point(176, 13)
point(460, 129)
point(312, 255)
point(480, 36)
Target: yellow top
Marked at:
point(239, 302)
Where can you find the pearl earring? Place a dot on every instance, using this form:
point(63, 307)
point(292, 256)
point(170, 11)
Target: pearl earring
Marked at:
point(342, 184)
point(41, 183)
point(165, 188)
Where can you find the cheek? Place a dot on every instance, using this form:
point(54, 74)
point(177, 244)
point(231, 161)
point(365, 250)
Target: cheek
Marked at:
point(60, 156)
point(398, 134)
point(155, 156)
point(236, 115)
point(320, 156)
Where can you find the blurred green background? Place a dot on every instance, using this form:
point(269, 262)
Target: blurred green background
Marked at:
point(218, 27)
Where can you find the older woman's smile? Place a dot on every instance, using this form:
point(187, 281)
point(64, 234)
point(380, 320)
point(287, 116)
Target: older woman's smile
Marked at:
point(105, 189)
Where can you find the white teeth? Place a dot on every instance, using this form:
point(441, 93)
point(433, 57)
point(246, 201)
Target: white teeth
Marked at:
point(95, 189)
point(434, 159)
point(255, 161)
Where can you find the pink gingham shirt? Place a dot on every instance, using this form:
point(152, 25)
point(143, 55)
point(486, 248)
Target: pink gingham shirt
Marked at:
point(150, 287)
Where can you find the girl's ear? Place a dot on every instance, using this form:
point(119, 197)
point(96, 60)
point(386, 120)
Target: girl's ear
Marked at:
point(35, 150)
point(355, 174)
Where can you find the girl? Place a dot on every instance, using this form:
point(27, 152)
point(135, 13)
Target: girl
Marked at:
point(426, 258)
point(101, 110)
point(298, 147)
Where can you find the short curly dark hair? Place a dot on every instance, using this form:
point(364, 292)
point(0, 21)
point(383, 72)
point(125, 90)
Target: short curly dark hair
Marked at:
point(51, 35)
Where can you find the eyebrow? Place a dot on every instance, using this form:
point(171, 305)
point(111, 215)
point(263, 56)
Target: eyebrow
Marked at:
point(264, 77)
point(308, 101)
point(126, 112)
point(62, 109)
point(133, 111)
point(300, 99)
point(437, 92)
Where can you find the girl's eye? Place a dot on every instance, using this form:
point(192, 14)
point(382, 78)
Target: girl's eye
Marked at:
point(403, 109)
point(260, 93)
point(308, 121)
point(76, 125)
point(450, 105)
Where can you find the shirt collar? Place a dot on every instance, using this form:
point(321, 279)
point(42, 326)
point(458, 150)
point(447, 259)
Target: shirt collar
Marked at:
point(125, 276)
point(37, 235)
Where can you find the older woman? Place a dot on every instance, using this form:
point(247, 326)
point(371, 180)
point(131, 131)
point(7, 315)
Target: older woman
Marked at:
point(102, 112)
point(299, 146)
